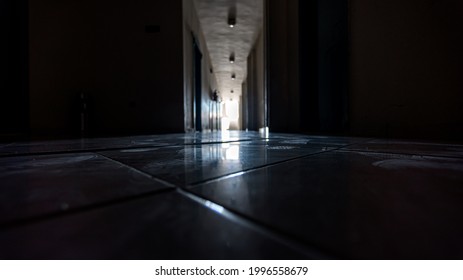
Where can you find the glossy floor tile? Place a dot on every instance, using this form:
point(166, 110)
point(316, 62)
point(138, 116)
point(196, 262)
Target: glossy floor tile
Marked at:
point(355, 205)
point(166, 226)
point(184, 165)
point(34, 186)
point(231, 195)
point(96, 144)
point(318, 139)
point(407, 147)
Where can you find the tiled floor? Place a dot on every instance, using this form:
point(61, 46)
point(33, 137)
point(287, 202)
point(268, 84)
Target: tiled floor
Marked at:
point(231, 195)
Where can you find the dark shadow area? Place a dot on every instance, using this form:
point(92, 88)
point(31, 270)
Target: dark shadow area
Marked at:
point(14, 78)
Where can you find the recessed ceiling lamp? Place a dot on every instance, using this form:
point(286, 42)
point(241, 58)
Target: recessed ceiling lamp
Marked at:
point(232, 58)
point(232, 16)
point(231, 22)
point(233, 77)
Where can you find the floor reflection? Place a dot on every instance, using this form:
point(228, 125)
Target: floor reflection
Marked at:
point(229, 194)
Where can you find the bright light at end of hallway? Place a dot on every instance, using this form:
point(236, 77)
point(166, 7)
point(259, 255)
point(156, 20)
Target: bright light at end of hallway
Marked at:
point(225, 123)
point(232, 110)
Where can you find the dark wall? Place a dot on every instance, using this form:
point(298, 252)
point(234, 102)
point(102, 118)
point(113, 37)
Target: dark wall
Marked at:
point(323, 65)
point(283, 65)
point(332, 65)
point(406, 69)
point(14, 108)
point(308, 66)
point(375, 69)
point(209, 117)
point(308, 51)
point(253, 96)
point(127, 56)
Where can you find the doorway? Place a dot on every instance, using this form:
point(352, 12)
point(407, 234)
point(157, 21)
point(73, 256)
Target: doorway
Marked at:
point(197, 80)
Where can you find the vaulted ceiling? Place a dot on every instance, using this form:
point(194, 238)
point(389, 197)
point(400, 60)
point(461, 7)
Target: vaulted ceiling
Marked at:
point(224, 42)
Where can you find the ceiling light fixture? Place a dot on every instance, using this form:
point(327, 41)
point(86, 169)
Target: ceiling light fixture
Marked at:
point(231, 22)
point(232, 58)
point(233, 77)
point(232, 16)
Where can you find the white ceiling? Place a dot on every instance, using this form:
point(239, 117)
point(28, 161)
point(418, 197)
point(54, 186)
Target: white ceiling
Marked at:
point(222, 40)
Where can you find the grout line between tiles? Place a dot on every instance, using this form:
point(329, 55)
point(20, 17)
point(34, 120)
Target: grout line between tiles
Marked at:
point(214, 179)
point(23, 221)
point(231, 215)
point(230, 175)
point(133, 197)
point(243, 220)
point(116, 149)
point(398, 154)
point(234, 174)
point(159, 180)
point(94, 150)
point(172, 186)
point(283, 238)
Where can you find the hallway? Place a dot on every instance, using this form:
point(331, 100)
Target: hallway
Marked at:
point(231, 195)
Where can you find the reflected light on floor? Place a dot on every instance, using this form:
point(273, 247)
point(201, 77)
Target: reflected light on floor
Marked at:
point(233, 153)
point(232, 110)
point(217, 208)
point(264, 132)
